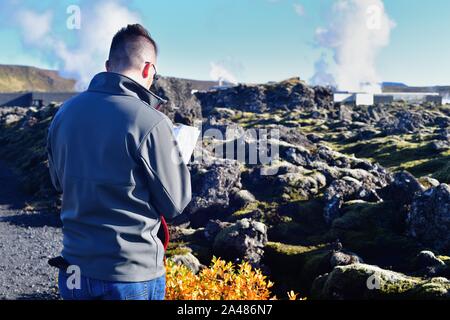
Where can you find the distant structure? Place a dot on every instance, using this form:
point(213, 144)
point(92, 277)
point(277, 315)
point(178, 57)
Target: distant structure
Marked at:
point(36, 99)
point(355, 98)
point(410, 97)
point(368, 99)
point(223, 85)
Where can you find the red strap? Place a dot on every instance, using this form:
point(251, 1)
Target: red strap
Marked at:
point(166, 232)
point(166, 235)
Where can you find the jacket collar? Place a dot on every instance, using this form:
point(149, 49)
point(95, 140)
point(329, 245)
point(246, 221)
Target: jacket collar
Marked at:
point(115, 83)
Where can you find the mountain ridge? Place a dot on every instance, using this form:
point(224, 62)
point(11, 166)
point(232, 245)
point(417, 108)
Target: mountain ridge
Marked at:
point(17, 78)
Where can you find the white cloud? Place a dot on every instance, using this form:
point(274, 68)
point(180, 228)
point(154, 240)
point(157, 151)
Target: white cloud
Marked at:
point(86, 57)
point(99, 24)
point(299, 9)
point(34, 26)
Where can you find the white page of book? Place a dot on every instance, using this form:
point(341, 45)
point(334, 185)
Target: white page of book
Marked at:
point(186, 137)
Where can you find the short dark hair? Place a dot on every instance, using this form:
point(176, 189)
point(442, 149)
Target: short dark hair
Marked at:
point(127, 45)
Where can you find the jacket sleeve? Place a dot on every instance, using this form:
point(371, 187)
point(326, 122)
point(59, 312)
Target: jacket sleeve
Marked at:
point(53, 175)
point(169, 180)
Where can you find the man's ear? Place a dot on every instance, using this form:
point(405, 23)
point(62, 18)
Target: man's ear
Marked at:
point(107, 66)
point(146, 70)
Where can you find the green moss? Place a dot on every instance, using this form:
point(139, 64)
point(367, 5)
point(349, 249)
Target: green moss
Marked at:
point(445, 259)
point(412, 152)
point(376, 233)
point(390, 151)
point(289, 250)
point(293, 118)
point(266, 208)
point(307, 226)
point(201, 252)
point(177, 249)
point(294, 194)
point(351, 282)
point(244, 119)
point(288, 232)
point(250, 207)
point(302, 228)
point(294, 267)
point(437, 168)
point(24, 149)
point(288, 260)
point(316, 264)
point(437, 288)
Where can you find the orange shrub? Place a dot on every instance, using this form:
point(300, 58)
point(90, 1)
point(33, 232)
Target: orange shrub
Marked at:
point(221, 281)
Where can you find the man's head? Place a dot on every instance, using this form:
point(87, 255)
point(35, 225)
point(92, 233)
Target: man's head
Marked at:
point(133, 53)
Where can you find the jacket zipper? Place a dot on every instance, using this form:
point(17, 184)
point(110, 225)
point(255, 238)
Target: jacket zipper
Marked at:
point(157, 251)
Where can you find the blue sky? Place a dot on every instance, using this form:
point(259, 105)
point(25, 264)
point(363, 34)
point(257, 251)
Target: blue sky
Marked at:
point(255, 40)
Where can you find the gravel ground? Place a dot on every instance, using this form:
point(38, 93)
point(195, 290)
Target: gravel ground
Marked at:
point(27, 240)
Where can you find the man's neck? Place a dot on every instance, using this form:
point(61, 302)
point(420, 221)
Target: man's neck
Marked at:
point(117, 83)
point(135, 76)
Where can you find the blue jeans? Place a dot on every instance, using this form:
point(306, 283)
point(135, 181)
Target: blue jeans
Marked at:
point(93, 289)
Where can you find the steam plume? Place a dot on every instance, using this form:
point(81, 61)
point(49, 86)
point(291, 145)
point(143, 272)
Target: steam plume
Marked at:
point(356, 33)
point(86, 56)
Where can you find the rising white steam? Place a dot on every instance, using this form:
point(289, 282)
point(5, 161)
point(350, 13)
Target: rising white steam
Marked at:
point(357, 31)
point(322, 76)
point(100, 20)
point(219, 72)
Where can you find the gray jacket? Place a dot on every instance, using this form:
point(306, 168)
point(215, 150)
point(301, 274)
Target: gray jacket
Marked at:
point(115, 160)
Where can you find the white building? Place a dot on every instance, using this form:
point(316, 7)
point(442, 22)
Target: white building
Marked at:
point(368, 99)
point(359, 98)
point(410, 97)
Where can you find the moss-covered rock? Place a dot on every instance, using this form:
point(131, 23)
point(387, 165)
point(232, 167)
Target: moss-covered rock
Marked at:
point(428, 218)
point(377, 232)
point(294, 267)
point(245, 239)
point(361, 281)
point(24, 148)
point(174, 249)
point(436, 288)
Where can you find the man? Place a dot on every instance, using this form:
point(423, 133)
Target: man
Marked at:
point(116, 161)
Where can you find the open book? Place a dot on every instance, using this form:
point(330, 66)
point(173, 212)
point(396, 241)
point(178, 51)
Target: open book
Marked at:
point(186, 137)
